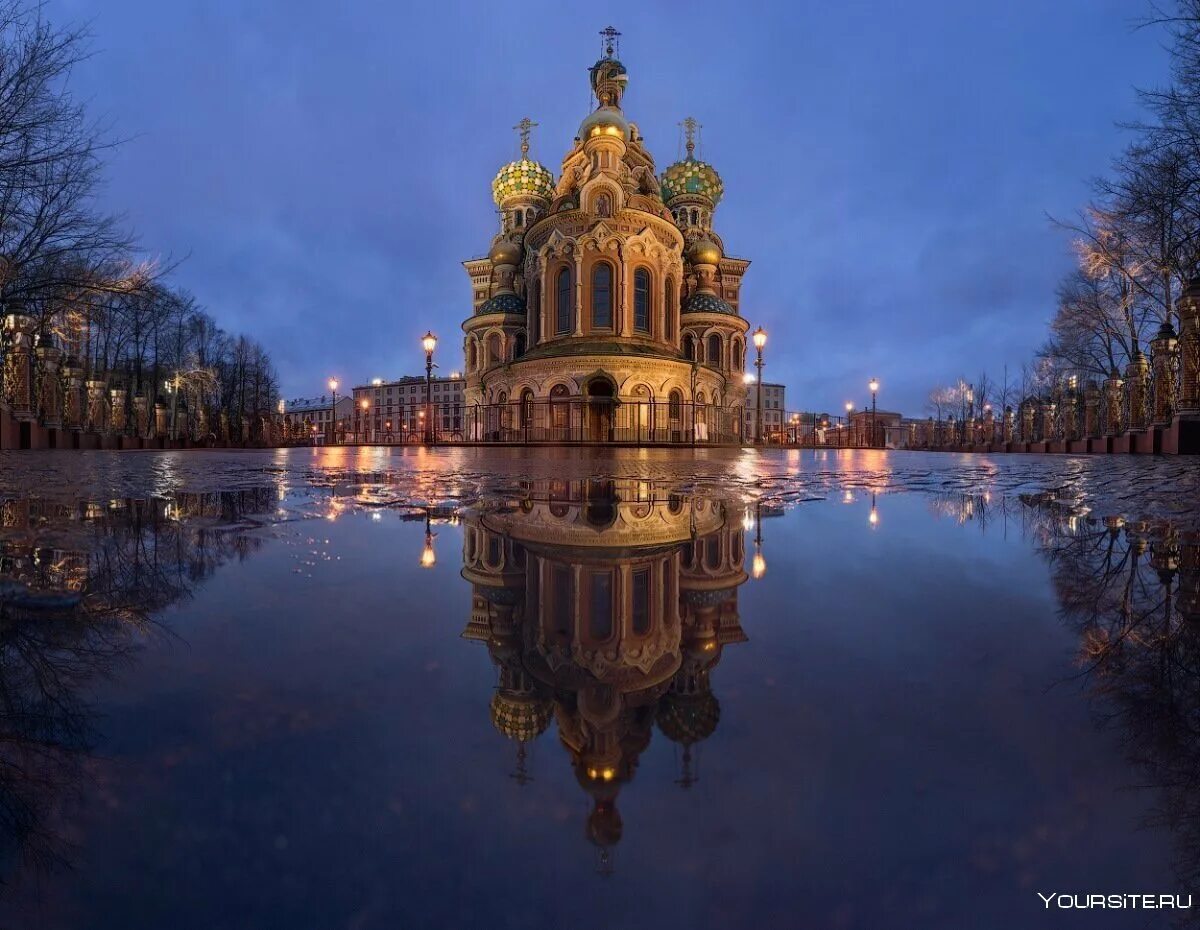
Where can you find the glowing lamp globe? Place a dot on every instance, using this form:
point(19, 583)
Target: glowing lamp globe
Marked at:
point(760, 338)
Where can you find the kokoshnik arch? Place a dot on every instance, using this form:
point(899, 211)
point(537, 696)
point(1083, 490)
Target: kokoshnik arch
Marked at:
point(605, 288)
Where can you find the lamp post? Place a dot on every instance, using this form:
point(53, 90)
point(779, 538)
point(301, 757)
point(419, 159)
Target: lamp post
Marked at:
point(429, 343)
point(874, 386)
point(364, 405)
point(760, 340)
point(333, 385)
point(849, 411)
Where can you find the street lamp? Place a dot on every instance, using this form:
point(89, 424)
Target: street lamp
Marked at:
point(364, 405)
point(429, 343)
point(333, 386)
point(849, 410)
point(760, 340)
point(874, 386)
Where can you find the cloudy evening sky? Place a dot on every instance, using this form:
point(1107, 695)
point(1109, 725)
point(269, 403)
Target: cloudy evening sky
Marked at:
point(889, 167)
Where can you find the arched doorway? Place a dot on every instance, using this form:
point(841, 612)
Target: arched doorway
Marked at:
point(601, 398)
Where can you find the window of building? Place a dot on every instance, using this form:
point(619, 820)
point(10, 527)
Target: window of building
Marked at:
point(641, 300)
point(563, 303)
point(714, 349)
point(641, 601)
point(602, 296)
point(669, 311)
point(600, 620)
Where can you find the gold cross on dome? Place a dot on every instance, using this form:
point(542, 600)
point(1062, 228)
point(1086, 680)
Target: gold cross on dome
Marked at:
point(523, 128)
point(690, 127)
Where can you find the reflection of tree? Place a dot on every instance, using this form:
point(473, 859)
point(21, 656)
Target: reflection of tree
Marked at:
point(78, 588)
point(1132, 592)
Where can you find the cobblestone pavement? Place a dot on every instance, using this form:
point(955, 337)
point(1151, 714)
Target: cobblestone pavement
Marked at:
point(1134, 487)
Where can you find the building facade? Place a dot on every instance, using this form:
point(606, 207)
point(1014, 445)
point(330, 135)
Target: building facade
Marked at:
point(774, 410)
point(394, 411)
point(311, 419)
point(607, 306)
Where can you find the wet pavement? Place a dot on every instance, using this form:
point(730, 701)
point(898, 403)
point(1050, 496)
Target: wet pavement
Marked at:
point(621, 688)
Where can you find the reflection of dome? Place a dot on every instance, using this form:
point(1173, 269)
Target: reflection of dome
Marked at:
point(688, 718)
point(704, 252)
point(520, 717)
point(608, 121)
point(522, 177)
point(604, 824)
point(505, 252)
point(692, 177)
point(707, 303)
point(503, 303)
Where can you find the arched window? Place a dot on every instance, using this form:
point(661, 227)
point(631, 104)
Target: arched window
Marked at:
point(519, 346)
point(669, 312)
point(675, 404)
point(471, 361)
point(695, 216)
point(641, 300)
point(562, 307)
point(600, 606)
point(714, 350)
point(560, 408)
point(493, 345)
point(518, 218)
point(739, 355)
point(640, 591)
point(527, 408)
point(689, 348)
point(602, 296)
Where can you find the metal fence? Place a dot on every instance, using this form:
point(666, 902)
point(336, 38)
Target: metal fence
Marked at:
point(582, 420)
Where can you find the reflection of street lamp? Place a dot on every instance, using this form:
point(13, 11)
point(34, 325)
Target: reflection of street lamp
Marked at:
point(873, 519)
point(759, 564)
point(333, 385)
point(429, 343)
point(428, 556)
point(760, 340)
point(874, 386)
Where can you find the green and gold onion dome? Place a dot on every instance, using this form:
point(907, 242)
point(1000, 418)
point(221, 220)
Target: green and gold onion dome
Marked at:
point(522, 717)
point(691, 177)
point(524, 177)
point(688, 718)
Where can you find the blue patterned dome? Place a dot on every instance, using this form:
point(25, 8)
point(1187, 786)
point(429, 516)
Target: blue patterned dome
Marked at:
point(503, 303)
point(707, 303)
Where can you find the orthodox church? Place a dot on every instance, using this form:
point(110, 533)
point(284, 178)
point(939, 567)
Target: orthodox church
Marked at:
point(607, 307)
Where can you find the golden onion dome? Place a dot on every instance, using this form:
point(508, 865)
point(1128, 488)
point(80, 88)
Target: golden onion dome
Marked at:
point(704, 252)
point(505, 252)
point(692, 178)
point(688, 718)
point(606, 121)
point(522, 178)
point(521, 717)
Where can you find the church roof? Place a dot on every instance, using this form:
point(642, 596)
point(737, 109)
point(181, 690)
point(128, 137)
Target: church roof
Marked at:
point(502, 303)
point(707, 303)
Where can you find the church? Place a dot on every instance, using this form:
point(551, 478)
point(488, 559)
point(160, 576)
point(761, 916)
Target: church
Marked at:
point(606, 309)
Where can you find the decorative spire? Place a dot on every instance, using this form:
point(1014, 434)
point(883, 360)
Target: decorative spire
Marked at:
point(523, 128)
point(690, 128)
point(610, 41)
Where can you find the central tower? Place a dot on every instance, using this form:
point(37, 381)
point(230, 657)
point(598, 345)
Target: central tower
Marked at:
point(606, 308)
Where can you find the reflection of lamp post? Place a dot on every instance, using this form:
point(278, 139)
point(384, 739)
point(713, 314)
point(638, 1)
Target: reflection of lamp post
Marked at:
point(760, 340)
point(873, 519)
point(759, 565)
point(429, 343)
point(333, 384)
point(874, 386)
point(365, 405)
point(428, 556)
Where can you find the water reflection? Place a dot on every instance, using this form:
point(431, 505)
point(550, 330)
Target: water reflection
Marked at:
point(605, 605)
point(79, 587)
point(1131, 589)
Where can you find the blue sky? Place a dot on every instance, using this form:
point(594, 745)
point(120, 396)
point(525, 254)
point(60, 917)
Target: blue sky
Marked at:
point(889, 168)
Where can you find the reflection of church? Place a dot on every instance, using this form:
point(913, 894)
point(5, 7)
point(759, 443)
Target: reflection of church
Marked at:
point(606, 606)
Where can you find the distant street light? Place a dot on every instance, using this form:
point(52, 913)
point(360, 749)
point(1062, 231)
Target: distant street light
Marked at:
point(364, 405)
point(429, 343)
point(760, 340)
point(333, 386)
point(874, 386)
